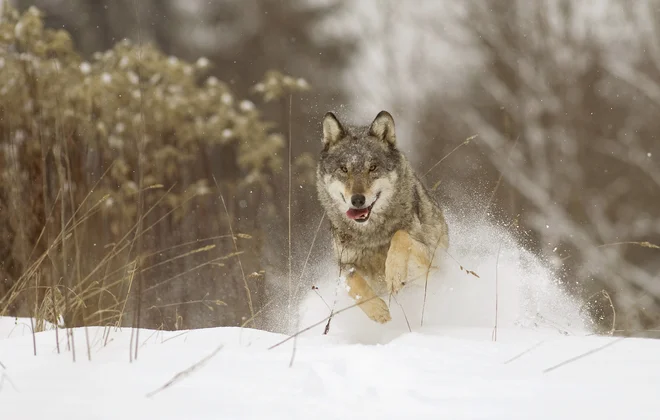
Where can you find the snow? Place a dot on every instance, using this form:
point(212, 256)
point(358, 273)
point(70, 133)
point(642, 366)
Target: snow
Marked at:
point(508, 278)
point(544, 362)
point(427, 374)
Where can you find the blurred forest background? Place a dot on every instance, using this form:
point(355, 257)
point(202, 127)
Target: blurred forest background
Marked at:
point(144, 144)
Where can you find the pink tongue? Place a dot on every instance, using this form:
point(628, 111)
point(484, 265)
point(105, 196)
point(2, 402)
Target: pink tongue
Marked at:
point(357, 213)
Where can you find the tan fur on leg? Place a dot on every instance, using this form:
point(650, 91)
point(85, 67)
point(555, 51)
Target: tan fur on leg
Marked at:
point(373, 306)
point(396, 264)
point(419, 267)
point(420, 255)
point(408, 260)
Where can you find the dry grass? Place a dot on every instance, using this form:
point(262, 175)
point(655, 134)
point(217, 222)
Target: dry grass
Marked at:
point(106, 286)
point(497, 295)
point(607, 296)
point(248, 293)
point(583, 355)
point(185, 373)
point(106, 175)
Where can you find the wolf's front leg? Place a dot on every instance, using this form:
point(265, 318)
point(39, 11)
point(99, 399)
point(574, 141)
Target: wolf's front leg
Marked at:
point(373, 306)
point(396, 264)
point(404, 251)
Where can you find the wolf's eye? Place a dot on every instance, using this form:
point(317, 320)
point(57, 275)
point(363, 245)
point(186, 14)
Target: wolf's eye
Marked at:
point(343, 169)
point(373, 168)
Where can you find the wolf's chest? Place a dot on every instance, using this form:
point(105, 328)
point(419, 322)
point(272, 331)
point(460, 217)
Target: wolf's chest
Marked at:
point(370, 259)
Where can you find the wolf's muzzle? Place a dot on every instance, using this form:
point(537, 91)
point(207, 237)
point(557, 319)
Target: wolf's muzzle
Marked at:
point(362, 214)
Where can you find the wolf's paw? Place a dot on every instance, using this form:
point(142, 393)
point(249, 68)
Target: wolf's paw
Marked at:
point(377, 310)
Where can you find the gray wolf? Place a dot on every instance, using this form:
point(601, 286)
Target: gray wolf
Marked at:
point(385, 225)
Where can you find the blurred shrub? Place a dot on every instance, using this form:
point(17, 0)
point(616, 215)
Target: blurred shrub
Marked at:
point(105, 162)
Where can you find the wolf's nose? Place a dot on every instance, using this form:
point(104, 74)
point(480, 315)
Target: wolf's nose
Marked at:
point(357, 200)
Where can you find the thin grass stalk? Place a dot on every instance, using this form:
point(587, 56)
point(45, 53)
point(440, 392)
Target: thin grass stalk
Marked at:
point(236, 251)
point(290, 279)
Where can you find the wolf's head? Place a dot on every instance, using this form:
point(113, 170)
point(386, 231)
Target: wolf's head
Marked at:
point(359, 167)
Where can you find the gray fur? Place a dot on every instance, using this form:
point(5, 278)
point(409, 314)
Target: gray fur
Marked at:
point(404, 202)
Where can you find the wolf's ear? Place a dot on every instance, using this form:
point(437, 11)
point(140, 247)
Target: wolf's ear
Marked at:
point(332, 129)
point(383, 127)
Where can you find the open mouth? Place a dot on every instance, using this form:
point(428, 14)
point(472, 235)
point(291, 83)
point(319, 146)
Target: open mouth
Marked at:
point(361, 215)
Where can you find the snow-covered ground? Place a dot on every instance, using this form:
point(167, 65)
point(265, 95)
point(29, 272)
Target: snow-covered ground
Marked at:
point(451, 374)
point(451, 368)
